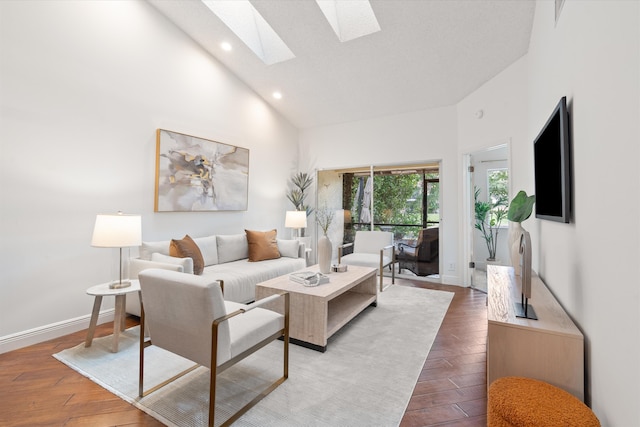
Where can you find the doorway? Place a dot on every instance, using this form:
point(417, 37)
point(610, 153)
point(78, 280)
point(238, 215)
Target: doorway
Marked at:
point(486, 196)
point(402, 199)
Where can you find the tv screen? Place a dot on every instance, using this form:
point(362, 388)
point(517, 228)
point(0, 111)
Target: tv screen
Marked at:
point(552, 167)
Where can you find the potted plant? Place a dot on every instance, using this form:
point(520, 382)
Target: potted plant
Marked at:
point(520, 209)
point(489, 217)
point(296, 194)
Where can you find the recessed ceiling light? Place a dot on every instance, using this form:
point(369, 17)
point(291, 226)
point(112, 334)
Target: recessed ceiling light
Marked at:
point(226, 46)
point(277, 95)
point(250, 27)
point(349, 19)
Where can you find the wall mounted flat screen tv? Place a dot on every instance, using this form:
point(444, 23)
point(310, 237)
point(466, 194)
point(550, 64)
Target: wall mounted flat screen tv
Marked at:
point(552, 167)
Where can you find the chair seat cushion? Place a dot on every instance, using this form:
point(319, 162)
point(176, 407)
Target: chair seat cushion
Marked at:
point(365, 260)
point(251, 327)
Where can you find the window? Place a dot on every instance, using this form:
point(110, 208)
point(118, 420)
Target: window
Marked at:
point(404, 201)
point(498, 187)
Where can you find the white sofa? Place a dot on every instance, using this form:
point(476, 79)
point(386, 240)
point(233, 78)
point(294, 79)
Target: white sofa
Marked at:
point(225, 258)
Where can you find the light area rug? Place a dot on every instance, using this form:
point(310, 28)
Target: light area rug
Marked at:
point(365, 378)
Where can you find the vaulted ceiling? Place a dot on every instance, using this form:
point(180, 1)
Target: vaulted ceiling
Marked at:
point(428, 54)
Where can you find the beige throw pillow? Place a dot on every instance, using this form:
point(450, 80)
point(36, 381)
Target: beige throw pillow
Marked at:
point(262, 245)
point(232, 247)
point(288, 248)
point(186, 247)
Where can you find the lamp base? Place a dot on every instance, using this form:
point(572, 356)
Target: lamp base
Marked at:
point(120, 285)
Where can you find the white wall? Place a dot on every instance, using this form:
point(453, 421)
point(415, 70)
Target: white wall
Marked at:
point(83, 87)
point(591, 265)
point(416, 137)
point(503, 103)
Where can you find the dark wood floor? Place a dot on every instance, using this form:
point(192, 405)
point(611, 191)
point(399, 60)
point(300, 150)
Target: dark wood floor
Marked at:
point(452, 388)
point(38, 390)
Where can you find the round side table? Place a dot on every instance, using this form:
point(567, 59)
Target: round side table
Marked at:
point(103, 290)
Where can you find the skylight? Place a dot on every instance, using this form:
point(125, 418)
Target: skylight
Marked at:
point(350, 19)
point(247, 23)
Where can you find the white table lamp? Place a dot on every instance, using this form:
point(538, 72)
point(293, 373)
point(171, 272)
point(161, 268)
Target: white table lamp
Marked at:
point(117, 231)
point(296, 220)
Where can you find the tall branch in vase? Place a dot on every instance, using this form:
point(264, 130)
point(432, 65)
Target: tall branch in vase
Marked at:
point(324, 218)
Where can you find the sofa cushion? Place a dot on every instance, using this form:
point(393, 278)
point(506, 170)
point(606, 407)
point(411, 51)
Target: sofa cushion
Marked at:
point(186, 247)
point(240, 277)
point(149, 248)
point(209, 248)
point(232, 247)
point(262, 245)
point(288, 248)
point(186, 263)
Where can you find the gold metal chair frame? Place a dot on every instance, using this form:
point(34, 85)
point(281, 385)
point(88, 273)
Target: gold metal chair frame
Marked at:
point(215, 369)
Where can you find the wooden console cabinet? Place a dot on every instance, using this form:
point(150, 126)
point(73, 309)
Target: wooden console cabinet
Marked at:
point(550, 349)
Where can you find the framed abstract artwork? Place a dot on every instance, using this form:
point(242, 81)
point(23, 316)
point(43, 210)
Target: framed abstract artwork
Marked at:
point(195, 174)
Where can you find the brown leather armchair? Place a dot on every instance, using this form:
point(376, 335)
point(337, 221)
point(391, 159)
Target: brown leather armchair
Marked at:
point(421, 259)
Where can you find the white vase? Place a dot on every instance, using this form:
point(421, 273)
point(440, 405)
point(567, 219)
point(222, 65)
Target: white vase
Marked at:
point(515, 231)
point(325, 250)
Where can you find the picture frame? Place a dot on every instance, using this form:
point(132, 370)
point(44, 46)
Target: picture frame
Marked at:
point(195, 174)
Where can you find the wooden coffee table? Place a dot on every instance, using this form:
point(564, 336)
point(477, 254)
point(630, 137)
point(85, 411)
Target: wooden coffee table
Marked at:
point(320, 311)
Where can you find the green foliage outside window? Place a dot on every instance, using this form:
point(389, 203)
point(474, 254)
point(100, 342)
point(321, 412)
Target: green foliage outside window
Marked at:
point(397, 199)
point(498, 185)
point(398, 202)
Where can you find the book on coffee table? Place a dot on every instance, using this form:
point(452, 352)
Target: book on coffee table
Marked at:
point(309, 278)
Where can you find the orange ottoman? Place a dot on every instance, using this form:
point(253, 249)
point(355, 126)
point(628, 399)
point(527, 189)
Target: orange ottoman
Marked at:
point(525, 402)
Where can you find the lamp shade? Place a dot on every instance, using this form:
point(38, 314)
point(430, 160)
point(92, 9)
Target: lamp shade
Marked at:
point(296, 219)
point(117, 231)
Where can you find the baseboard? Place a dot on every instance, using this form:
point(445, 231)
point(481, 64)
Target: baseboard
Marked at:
point(443, 279)
point(51, 331)
point(451, 280)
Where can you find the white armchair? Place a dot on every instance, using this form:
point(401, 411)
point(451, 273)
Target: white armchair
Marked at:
point(138, 265)
point(201, 326)
point(371, 249)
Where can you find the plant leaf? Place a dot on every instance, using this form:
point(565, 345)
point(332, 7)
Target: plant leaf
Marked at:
point(521, 207)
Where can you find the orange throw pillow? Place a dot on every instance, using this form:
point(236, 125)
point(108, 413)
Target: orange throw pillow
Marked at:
point(187, 248)
point(262, 245)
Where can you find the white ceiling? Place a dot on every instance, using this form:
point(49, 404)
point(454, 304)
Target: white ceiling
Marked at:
point(428, 54)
